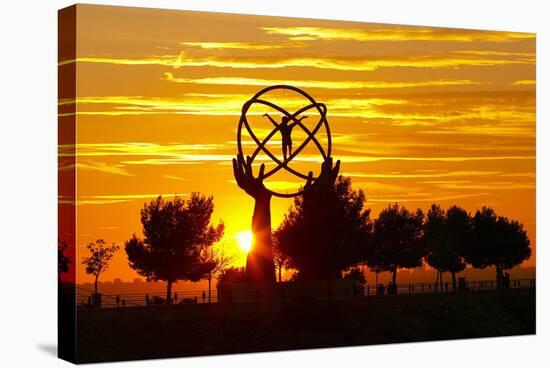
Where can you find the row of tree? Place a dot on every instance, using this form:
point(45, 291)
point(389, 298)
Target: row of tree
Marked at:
point(329, 231)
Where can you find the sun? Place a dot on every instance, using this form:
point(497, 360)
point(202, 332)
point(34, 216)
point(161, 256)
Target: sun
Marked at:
point(244, 239)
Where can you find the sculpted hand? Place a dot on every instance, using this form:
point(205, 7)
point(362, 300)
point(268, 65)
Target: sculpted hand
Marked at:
point(327, 177)
point(242, 170)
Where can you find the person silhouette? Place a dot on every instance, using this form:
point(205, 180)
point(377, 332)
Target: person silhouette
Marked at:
point(500, 279)
point(286, 130)
point(391, 288)
point(506, 280)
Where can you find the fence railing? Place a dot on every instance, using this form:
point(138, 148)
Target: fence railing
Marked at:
point(433, 287)
point(87, 299)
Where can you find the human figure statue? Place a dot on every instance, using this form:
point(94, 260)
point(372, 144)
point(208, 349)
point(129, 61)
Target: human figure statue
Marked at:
point(286, 132)
point(259, 261)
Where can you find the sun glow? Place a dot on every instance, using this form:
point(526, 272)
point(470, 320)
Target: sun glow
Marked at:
point(244, 239)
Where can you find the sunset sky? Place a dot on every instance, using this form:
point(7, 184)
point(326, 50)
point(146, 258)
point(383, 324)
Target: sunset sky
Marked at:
point(418, 115)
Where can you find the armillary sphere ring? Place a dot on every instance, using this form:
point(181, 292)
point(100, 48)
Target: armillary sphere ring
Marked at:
point(321, 108)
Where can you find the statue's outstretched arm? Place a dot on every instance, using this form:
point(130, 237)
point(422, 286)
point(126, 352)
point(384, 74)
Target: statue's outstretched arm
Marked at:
point(299, 120)
point(271, 119)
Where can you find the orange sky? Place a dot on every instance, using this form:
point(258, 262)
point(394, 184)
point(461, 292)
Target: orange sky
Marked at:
point(418, 115)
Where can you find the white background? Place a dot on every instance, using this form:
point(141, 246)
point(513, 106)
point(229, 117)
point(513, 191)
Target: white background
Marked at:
point(28, 186)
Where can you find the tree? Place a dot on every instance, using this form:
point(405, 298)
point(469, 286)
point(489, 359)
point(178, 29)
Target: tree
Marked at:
point(459, 228)
point(434, 239)
point(355, 273)
point(63, 260)
point(374, 258)
point(326, 230)
point(280, 259)
point(176, 234)
point(216, 261)
point(99, 259)
point(445, 236)
point(497, 241)
point(397, 237)
point(230, 275)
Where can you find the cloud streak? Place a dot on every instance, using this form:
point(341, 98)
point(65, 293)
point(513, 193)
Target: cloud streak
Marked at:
point(110, 199)
point(424, 197)
point(395, 34)
point(405, 110)
point(413, 175)
point(95, 166)
point(236, 81)
point(366, 63)
point(524, 82)
point(134, 149)
point(240, 45)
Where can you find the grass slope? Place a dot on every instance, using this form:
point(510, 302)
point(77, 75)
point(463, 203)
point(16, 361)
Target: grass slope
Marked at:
point(173, 331)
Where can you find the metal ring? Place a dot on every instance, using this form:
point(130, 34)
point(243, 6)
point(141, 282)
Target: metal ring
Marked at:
point(321, 108)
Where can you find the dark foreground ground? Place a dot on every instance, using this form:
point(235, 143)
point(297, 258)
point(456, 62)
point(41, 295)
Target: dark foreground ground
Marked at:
point(186, 330)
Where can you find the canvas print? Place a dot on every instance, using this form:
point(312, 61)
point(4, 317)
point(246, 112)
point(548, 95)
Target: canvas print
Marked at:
point(236, 183)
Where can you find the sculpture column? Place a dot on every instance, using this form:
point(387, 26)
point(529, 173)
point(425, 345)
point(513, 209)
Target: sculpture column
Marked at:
point(259, 261)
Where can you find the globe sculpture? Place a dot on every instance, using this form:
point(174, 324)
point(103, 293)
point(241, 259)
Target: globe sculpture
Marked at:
point(260, 268)
point(292, 118)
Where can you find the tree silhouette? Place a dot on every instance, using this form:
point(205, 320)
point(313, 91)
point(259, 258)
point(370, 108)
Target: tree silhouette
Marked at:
point(459, 228)
point(229, 275)
point(326, 230)
point(215, 260)
point(177, 234)
point(397, 239)
point(374, 258)
point(355, 273)
point(445, 236)
point(280, 259)
point(63, 261)
point(498, 242)
point(99, 259)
